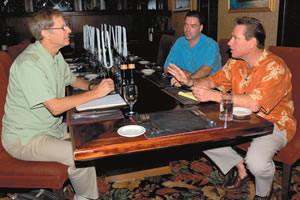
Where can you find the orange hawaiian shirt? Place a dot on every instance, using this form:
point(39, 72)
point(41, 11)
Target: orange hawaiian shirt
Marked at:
point(268, 83)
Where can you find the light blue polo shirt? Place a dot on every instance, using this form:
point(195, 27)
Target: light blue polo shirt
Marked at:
point(35, 77)
point(205, 52)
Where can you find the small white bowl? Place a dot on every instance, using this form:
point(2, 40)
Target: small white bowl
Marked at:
point(144, 62)
point(241, 113)
point(148, 72)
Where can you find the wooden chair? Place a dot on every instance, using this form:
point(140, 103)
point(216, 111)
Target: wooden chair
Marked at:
point(288, 155)
point(15, 50)
point(165, 44)
point(6, 62)
point(224, 50)
point(16, 173)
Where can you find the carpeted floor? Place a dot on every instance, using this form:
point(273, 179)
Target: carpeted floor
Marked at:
point(189, 180)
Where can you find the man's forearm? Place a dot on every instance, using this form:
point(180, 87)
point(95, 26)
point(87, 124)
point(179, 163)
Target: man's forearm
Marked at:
point(203, 71)
point(204, 82)
point(81, 84)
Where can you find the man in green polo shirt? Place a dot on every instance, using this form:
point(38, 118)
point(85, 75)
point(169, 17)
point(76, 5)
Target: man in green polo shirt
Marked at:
point(32, 124)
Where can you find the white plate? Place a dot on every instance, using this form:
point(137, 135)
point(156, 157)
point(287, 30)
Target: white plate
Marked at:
point(74, 66)
point(144, 62)
point(241, 112)
point(131, 130)
point(91, 76)
point(148, 72)
point(69, 59)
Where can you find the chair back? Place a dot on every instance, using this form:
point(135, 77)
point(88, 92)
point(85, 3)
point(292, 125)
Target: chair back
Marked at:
point(6, 61)
point(3, 92)
point(291, 56)
point(224, 50)
point(165, 44)
point(15, 50)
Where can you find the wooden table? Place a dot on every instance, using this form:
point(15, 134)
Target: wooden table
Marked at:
point(99, 140)
point(121, 158)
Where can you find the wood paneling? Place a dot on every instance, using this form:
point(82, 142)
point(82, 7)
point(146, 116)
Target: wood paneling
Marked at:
point(268, 19)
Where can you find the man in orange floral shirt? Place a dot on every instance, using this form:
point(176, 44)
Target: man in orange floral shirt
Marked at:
point(261, 82)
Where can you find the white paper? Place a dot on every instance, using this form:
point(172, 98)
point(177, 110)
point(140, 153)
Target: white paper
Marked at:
point(112, 100)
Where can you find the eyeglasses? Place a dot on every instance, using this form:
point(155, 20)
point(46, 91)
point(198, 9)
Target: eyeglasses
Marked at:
point(64, 28)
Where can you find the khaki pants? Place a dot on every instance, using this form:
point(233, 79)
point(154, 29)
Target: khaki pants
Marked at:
point(48, 148)
point(259, 158)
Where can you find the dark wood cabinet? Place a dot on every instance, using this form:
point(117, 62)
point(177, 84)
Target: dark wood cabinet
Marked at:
point(288, 24)
point(136, 19)
point(209, 9)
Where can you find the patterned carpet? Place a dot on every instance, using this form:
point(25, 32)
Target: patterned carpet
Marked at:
point(190, 180)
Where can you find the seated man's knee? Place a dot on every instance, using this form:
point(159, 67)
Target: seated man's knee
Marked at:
point(259, 167)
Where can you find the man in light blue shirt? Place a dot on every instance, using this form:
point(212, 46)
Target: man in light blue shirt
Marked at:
point(195, 53)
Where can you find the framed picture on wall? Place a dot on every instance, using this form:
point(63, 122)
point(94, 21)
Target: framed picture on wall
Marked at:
point(250, 5)
point(181, 5)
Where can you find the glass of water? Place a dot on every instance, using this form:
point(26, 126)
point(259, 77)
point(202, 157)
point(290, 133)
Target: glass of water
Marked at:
point(226, 108)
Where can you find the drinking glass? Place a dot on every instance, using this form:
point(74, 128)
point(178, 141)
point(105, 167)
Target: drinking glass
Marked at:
point(130, 96)
point(226, 108)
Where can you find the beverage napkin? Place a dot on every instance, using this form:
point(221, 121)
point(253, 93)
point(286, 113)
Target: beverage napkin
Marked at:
point(188, 95)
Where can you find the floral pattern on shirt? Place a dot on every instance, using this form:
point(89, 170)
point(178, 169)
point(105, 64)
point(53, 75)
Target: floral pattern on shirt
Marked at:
point(245, 80)
point(275, 71)
point(227, 69)
point(256, 94)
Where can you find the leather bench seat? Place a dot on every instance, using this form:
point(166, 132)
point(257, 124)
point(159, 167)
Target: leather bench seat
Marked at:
point(17, 173)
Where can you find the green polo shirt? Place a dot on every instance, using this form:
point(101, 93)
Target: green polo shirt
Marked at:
point(35, 77)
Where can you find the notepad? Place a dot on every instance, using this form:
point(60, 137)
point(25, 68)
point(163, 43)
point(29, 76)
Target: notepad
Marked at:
point(109, 101)
point(188, 95)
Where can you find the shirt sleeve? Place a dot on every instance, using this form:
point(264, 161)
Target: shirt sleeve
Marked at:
point(68, 75)
point(34, 84)
point(222, 79)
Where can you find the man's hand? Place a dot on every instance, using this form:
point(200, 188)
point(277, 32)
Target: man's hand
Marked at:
point(105, 87)
point(175, 83)
point(179, 75)
point(204, 94)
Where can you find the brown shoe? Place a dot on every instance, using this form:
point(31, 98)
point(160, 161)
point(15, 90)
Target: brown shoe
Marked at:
point(237, 184)
point(268, 197)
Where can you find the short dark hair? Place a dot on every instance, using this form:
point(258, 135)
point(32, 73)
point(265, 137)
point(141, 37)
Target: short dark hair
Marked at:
point(254, 28)
point(41, 20)
point(196, 14)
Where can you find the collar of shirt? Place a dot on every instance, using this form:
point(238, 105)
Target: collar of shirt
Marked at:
point(45, 54)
